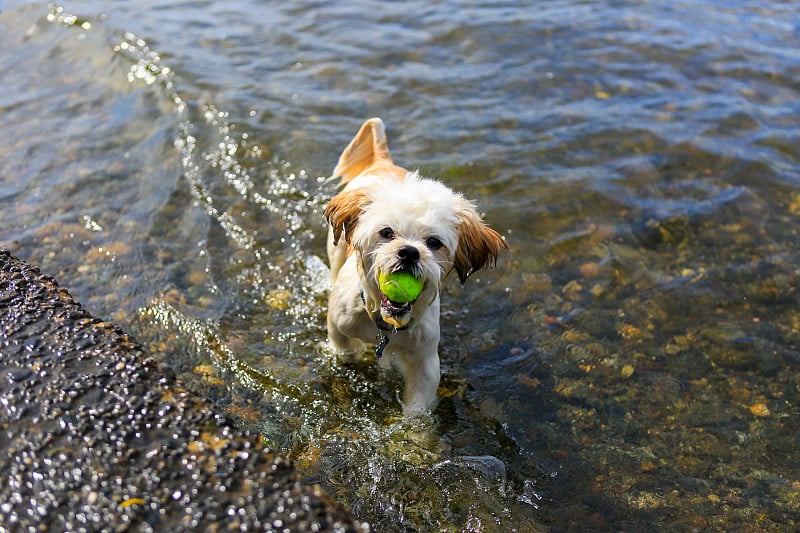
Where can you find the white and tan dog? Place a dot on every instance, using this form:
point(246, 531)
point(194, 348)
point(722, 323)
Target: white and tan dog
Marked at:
point(387, 219)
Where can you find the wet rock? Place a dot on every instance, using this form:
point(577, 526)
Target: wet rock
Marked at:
point(537, 282)
point(760, 410)
point(734, 349)
point(96, 437)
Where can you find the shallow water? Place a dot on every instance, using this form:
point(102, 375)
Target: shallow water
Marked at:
point(631, 363)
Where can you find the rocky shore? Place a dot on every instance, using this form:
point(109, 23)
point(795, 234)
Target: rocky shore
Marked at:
point(95, 436)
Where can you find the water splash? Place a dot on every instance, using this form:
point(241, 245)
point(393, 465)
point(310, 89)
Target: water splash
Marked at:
point(206, 340)
point(147, 68)
point(58, 16)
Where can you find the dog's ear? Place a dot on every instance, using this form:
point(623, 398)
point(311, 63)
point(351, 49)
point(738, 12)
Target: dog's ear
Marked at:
point(368, 148)
point(478, 244)
point(343, 211)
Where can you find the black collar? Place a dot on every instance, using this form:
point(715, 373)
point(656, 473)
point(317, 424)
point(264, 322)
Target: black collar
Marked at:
point(382, 325)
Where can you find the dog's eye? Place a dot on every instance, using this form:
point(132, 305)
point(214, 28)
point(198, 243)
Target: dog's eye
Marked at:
point(433, 243)
point(386, 233)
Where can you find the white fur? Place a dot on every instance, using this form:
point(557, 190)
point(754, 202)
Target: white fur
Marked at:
point(380, 195)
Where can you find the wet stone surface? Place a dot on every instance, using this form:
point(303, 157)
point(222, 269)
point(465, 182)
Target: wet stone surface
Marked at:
point(96, 437)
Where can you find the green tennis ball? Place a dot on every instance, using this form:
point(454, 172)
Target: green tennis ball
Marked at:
point(400, 287)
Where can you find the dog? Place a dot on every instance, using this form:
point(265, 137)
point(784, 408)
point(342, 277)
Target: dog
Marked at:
point(387, 219)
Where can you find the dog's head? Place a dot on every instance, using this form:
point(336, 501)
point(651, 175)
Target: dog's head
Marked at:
point(398, 221)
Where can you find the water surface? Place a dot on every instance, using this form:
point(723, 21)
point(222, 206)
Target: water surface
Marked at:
point(631, 363)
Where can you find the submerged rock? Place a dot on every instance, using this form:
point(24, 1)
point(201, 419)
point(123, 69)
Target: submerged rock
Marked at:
point(94, 436)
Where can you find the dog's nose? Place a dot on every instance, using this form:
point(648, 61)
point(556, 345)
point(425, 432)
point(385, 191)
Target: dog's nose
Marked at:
point(408, 254)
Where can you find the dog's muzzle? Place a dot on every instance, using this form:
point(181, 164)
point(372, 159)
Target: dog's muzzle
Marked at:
point(397, 314)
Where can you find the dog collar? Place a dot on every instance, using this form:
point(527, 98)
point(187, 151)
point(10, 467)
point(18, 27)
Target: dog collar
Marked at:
point(383, 338)
point(383, 326)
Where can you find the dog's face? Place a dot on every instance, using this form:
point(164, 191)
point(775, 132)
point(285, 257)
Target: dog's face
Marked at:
point(414, 225)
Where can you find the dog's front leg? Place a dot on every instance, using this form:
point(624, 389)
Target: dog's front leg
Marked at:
point(421, 384)
point(347, 348)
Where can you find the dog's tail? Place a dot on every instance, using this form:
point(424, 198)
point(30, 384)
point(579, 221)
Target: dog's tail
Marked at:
point(369, 149)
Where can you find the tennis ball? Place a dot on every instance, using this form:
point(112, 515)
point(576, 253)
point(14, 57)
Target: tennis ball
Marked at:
point(400, 287)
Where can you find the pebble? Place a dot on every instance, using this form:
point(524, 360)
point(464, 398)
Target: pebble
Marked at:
point(197, 277)
point(589, 270)
point(572, 290)
point(278, 299)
